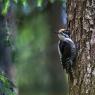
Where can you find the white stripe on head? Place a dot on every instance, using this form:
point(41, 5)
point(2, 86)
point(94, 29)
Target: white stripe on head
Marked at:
point(61, 30)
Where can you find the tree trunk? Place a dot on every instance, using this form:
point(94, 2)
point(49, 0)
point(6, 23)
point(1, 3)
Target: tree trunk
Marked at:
point(81, 22)
point(7, 36)
point(5, 58)
point(57, 75)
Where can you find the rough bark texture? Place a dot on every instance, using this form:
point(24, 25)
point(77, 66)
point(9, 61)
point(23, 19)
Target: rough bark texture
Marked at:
point(81, 21)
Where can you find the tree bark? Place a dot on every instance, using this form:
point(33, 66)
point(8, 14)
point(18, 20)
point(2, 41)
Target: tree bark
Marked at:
point(7, 36)
point(5, 58)
point(81, 22)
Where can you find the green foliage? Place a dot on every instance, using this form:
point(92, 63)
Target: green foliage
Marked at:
point(23, 2)
point(6, 4)
point(33, 38)
point(39, 3)
point(31, 42)
point(6, 86)
point(16, 1)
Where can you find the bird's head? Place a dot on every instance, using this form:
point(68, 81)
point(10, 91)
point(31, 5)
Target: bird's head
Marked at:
point(63, 34)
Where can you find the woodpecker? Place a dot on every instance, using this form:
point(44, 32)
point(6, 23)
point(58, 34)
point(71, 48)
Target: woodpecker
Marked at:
point(67, 50)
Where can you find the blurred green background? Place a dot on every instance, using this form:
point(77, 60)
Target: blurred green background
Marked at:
point(36, 59)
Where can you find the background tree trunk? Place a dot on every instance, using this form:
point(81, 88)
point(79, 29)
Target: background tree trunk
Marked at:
point(81, 21)
point(7, 36)
point(57, 18)
point(5, 52)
